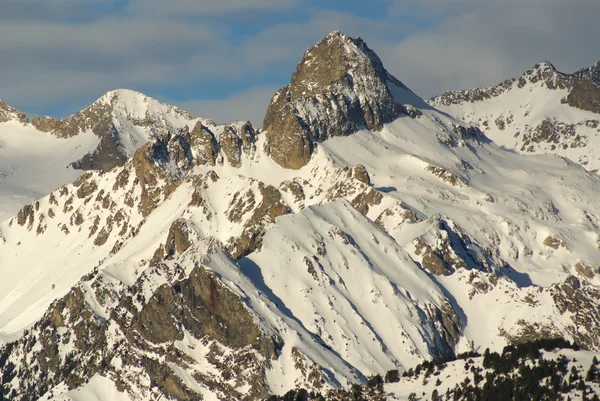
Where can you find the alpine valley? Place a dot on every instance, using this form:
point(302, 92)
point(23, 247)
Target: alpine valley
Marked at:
point(360, 233)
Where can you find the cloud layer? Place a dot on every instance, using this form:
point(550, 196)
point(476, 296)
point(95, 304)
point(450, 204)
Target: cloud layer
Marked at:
point(209, 57)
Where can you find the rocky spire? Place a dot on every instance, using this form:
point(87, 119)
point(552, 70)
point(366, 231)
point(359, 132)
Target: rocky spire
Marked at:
point(340, 86)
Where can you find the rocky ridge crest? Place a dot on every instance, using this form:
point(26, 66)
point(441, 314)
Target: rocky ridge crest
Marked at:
point(514, 109)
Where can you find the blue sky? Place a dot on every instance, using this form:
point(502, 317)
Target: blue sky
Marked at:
point(224, 60)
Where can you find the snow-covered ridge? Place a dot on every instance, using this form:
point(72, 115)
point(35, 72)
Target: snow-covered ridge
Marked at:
point(542, 111)
point(40, 155)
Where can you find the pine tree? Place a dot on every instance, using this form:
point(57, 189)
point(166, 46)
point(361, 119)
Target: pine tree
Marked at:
point(592, 373)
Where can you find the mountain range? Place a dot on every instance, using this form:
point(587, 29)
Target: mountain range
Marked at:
point(146, 254)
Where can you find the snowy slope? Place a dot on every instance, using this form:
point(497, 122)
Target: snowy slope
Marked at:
point(347, 280)
point(33, 163)
point(531, 115)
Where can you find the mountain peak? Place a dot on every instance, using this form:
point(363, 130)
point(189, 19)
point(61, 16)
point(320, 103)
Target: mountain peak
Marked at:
point(122, 95)
point(9, 113)
point(545, 65)
point(340, 86)
point(335, 58)
point(544, 72)
point(136, 105)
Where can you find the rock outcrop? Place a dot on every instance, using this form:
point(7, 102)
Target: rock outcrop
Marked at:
point(8, 113)
point(231, 145)
point(112, 119)
point(340, 86)
point(585, 89)
point(203, 141)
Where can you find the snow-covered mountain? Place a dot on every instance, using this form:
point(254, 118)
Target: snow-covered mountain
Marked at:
point(543, 111)
point(361, 231)
point(38, 155)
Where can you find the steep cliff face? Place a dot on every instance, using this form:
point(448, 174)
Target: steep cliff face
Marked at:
point(340, 86)
point(585, 89)
point(171, 320)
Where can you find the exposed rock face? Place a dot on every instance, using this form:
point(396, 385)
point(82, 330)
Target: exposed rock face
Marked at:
point(96, 117)
point(73, 341)
point(581, 303)
point(430, 260)
point(541, 72)
point(248, 137)
point(585, 95)
point(110, 120)
point(583, 87)
point(270, 207)
point(339, 87)
point(556, 134)
point(180, 238)
point(234, 140)
point(585, 92)
point(361, 174)
point(106, 156)
point(203, 141)
point(156, 182)
point(8, 113)
point(508, 115)
point(231, 145)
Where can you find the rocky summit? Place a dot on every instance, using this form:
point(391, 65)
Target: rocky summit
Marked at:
point(340, 86)
point(362, 245)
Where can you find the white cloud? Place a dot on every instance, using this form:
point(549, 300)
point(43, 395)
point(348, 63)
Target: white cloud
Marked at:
point(250, 105)
point(207, 7)
point(49, 62)
point(53, 62)
point(485, 42)
point(461, 44)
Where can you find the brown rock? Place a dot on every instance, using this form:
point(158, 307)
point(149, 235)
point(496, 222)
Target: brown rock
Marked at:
point(270, 207)
point(204, 145)
point(180, 237)
point(584, 270)
point(148, 173)
point(248, 137)
point(26, 215)
point(231, 145)
point(430, 260)
point(8, 113)
point(86, 189)
point(360, 173)
point(288, 141)
point(339, 87)
point(584, 95)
